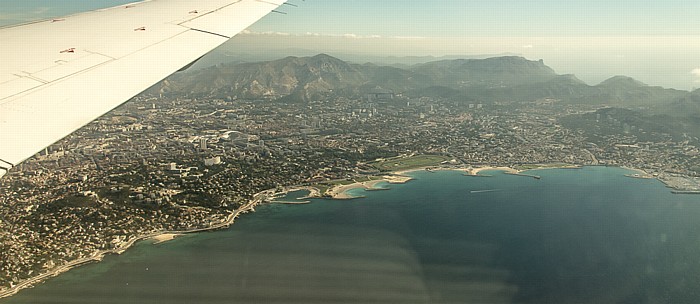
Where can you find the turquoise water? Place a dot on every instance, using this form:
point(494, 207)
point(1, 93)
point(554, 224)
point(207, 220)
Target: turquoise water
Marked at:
point(574, 236)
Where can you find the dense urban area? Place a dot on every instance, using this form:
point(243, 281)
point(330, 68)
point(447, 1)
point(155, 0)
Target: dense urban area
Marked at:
point(168, 164)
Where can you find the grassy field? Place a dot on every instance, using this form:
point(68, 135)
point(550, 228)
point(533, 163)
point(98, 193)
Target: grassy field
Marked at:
point(405, 163)
point(322, 188)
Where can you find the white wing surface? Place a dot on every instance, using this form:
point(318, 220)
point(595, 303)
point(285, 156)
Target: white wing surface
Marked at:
point(58, 75)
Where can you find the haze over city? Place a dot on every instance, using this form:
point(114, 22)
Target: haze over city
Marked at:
point(654, 42)
point(526, 153)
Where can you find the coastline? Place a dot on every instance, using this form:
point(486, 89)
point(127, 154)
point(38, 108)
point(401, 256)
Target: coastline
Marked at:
point(638, 173)
point(339, 192)
point(313, 191)
point(165, 237)
point(675, 183)
point(159, 237)
point(476, 171)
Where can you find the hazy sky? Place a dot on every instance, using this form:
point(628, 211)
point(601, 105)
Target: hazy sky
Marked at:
point(657, 42)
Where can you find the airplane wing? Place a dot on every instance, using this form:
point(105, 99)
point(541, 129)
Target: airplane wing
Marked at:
point(58, 75)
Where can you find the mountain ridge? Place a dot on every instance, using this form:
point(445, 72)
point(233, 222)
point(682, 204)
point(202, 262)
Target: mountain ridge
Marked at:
point(491, 79)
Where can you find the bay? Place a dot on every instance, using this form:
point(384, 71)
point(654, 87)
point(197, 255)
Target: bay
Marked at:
point(587, 235)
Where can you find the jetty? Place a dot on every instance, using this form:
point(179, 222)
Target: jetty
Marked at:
point(477, 175)
point(524, 174)
point(292, 203)
point(685, 192)
point(483, 191)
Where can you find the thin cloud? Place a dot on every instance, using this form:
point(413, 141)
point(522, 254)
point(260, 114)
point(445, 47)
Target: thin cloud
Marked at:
point(410, 37)
point(309, 34)
point(696, 72)
point(271, 33)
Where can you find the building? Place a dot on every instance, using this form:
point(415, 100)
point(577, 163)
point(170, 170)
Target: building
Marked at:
point(380, 95)
point(212, 161)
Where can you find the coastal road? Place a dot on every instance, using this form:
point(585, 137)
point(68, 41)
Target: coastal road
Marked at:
point(97, 256)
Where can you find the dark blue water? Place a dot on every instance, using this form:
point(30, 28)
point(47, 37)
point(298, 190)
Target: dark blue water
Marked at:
point(574, 236)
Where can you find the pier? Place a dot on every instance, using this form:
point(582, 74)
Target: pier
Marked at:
point(524, 174)
point(686, 192)
point(484, 191)
point(292, 203)
point(477, 175)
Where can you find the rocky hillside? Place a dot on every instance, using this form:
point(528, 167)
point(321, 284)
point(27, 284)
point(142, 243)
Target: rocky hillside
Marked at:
point(485, 80)
point(491, 72)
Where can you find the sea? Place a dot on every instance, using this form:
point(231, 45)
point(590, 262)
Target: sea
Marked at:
point(589, 235)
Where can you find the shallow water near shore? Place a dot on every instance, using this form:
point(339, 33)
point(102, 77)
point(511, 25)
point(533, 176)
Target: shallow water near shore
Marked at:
point(588, 235)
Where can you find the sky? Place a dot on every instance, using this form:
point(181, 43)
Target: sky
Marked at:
point(656, 42)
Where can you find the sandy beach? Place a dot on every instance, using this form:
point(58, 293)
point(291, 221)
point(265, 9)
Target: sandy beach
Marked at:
point(468, 169)
point(509, 170)
point(341, 191)
point(475, 171)
point(164, 237)
point(638, 173)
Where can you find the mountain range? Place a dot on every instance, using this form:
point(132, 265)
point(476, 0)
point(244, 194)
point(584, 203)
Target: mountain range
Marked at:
point(299, 79)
